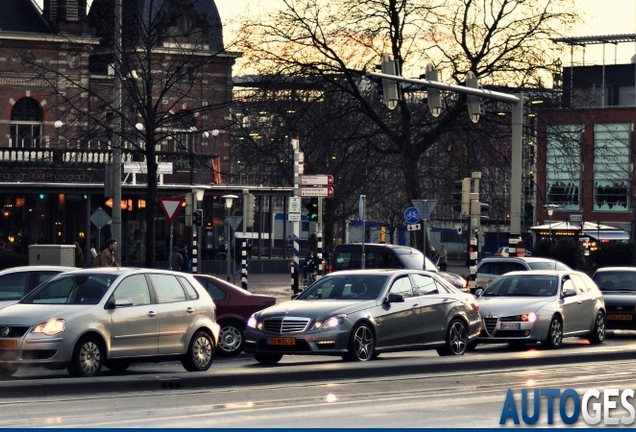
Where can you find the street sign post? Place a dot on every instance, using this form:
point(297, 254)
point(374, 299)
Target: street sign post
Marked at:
point(412, 216)
point(295, 207)
point(316, 180)
point(170, 206)
point(100, 219)
point(316, 192)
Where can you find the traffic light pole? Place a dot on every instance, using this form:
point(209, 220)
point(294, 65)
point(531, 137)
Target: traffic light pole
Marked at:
point(517, 135)
point(295, 224)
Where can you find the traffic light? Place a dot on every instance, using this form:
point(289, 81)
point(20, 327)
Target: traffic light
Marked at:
point(433, 95)
point(197, 217)
point(249, 209)
point(463, 207)
point(474, 102)
point(476, 210)
point(390, 93)
point(312, 209)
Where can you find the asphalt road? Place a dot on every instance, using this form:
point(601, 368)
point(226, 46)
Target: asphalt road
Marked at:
point(243, 370)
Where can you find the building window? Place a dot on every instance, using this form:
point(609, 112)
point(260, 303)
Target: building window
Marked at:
point(26, 124)
point(612, 157)
point(563, 166)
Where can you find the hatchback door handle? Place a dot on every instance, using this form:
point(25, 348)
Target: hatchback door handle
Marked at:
point(152, 314)
point(190, 310)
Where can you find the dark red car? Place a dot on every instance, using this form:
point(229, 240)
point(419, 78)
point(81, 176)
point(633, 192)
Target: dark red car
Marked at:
point(234, 306)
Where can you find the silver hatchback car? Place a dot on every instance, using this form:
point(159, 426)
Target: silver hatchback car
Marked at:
point(86, 319)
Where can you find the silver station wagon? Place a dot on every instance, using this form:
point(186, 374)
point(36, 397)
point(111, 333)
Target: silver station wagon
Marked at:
point(86, 319)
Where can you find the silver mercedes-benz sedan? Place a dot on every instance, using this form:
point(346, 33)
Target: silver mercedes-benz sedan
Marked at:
point(85, 319)
point(358, 314)
point(541, 306)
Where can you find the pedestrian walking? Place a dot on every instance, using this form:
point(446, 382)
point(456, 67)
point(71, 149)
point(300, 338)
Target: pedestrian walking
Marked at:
point(107, 256)
point(79, 256)
point(176, 259)
point(443, 258)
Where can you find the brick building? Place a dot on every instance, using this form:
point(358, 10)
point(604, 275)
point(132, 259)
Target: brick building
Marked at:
point(57, 75)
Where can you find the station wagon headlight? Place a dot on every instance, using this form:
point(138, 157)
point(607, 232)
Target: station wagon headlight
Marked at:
point(50, 327)
point(329, 323)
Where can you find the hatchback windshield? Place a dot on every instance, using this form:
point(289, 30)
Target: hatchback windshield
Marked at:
point(522, 286)
point(350, 287)
point(71, 289)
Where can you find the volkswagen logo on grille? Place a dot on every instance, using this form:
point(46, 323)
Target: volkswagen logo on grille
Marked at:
point(4, 331)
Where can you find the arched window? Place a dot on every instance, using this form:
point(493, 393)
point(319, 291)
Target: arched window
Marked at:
point(26, 124)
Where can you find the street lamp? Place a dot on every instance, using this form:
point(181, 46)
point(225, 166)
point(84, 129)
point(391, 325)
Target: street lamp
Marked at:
point(58, 124)
point(229, 199)
point(550, 209)
point(140, 128)
point(199, 194)
point(215, 133)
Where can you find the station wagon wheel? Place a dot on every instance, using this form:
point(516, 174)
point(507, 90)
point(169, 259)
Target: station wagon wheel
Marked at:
point(231, 338)
point(598, 333)
point(456, 339)
point(268, 359)
point(88, 357)
point(361, 343)
point(200, 354)
point(555, 334)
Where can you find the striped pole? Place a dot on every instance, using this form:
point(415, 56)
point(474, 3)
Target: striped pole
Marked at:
point(244, 265)
point(321, 268)
point(195, 250)
point(472, 257)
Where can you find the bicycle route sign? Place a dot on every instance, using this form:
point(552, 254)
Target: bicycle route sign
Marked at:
point(412, 216)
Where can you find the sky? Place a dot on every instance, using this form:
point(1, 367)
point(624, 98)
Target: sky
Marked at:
point(602, 17)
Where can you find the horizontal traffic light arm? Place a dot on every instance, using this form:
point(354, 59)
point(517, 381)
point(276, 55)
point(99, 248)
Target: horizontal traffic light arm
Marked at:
point(486, 94)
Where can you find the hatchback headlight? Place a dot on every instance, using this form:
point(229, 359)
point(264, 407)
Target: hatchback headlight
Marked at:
point(529, 317)
point(329, 323)
point(51, 327)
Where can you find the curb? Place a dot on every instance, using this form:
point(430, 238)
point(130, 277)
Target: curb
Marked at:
point(255, 374)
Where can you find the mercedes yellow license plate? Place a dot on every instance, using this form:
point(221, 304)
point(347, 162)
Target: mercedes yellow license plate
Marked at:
point(619, 317)
point(9, 344)
point(281, 341)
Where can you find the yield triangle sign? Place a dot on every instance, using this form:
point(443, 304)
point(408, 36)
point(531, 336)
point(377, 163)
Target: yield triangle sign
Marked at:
point(170, 207)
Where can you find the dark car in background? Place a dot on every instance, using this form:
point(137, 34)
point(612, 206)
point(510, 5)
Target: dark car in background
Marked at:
point(359, 314)
point(234, 306)
point(348, 256)
point(618, 285)
point(492, 267)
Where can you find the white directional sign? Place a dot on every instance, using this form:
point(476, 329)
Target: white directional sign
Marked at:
point(295, 207)
point(415, 227)
point(317, 180)
point(324, 192)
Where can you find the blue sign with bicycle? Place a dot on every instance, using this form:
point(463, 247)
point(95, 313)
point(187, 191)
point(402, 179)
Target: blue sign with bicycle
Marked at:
point(412, 216)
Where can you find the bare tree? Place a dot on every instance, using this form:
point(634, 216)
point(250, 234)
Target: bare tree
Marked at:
point(173, 71)
point(504, 42)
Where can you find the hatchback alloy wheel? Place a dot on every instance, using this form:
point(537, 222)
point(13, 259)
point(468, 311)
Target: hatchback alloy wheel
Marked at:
point(87, 358)
point(598, 334)
point(200, 354)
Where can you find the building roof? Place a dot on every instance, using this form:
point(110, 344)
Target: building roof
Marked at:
point(103, 9)
point(592, 40)
point(22, 16)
